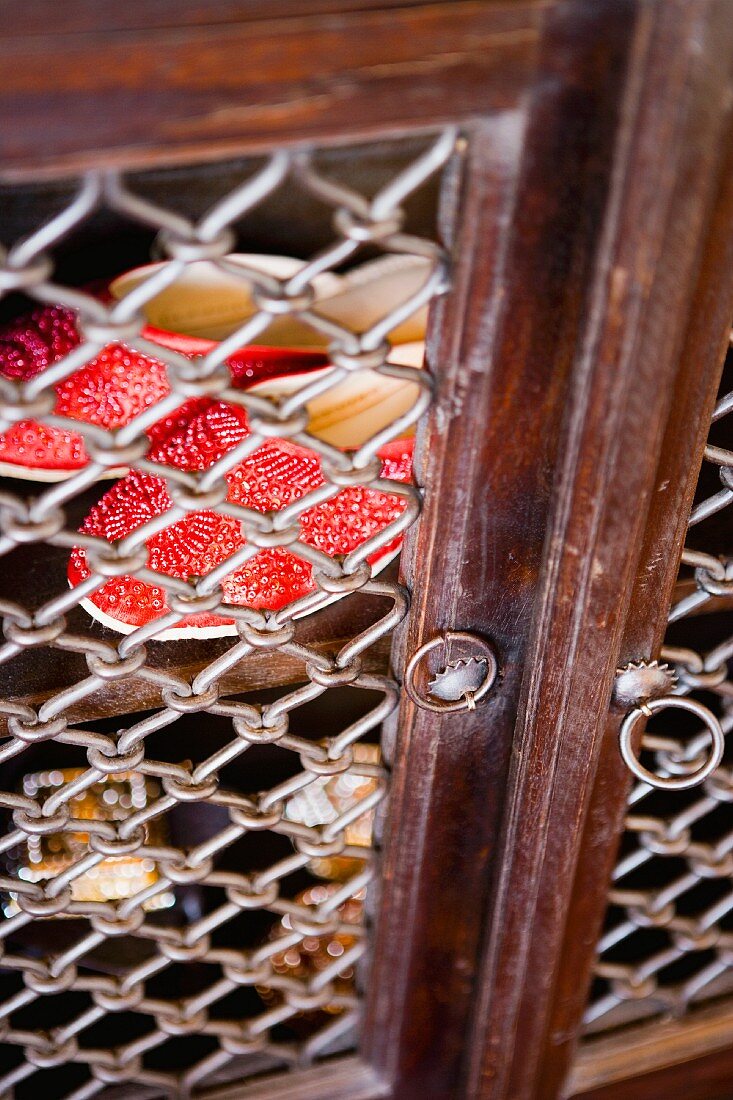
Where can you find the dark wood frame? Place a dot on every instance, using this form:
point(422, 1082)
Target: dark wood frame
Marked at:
point(590, 215)
point(697, 1051)
point(654, 364)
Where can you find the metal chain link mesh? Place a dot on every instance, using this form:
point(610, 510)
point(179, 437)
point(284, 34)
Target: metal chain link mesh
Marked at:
point(668, 941)
point(62, 989)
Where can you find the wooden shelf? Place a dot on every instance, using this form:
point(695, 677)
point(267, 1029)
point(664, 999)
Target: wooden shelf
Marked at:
point(628, 1054)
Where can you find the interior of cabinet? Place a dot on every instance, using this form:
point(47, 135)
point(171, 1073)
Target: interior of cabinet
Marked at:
point(289, 222)
point(206, 1019)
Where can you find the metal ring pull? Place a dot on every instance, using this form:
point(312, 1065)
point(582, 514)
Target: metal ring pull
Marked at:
point(666, 702)
point(468, 671)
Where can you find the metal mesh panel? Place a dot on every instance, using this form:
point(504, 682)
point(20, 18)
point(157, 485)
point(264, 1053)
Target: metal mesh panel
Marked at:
point(668, 941)
point(142, 886)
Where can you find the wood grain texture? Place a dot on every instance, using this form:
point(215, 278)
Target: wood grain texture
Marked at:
point(667, 163)
point(41, 17)
point(342, 1079)
point(447, 772)
point(698, 1079)
point(610, 1066)
point(503, 351)
point(706, 338)
point(171, 93)
point(707, 1078)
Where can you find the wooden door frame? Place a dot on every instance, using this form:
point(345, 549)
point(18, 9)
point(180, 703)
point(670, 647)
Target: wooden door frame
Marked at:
point(647, 373)
point(588, 225)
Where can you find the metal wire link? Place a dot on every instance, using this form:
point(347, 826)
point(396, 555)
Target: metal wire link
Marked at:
point(668, 942)
point(136, 838)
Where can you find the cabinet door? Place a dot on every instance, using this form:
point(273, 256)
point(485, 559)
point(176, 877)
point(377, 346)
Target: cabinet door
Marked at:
point(659, 1005)
point(354, 840)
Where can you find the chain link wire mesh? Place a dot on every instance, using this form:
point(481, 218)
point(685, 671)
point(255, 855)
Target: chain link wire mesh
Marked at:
point(668, 941)
point(109, 928)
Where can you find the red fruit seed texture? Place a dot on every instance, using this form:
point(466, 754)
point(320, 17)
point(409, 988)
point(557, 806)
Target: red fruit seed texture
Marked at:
point(274, 476)
point(110, 390)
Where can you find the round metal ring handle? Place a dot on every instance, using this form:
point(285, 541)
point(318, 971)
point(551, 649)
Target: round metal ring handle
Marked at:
point(478, 647)
point(665, 702)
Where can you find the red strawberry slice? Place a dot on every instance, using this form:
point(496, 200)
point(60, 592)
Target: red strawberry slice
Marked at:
point(109, 391)
point(255, 363)
point(36, 340)
point(197, 434)
point(274, 476)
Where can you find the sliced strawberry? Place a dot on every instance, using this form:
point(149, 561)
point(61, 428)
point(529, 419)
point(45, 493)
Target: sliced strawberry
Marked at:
point(274, 476)
point(258, 364)
point(249, 365)
point(30, 445)
point(113, 388)
point(202, 430)
point(197, 434)
point(36, 340)
point(109, 391)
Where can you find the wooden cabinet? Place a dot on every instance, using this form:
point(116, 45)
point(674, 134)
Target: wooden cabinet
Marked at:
point(564, 170)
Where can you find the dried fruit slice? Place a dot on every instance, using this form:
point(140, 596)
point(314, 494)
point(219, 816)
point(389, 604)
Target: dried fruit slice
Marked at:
point(109, 391)
point(274, 476)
